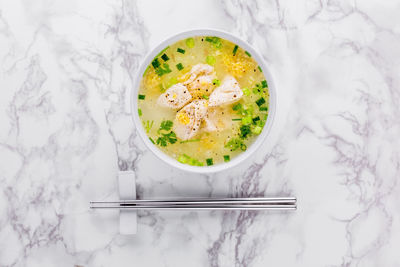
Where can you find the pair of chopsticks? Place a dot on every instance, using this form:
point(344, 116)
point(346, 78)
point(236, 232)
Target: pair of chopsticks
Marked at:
point(262, 203)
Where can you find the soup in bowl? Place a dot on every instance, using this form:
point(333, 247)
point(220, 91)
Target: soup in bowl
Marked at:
point(203, 100)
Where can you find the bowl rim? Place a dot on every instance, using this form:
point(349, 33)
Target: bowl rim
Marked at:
point(162, 155)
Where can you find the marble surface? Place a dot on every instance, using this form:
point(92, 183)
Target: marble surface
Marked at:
point(66, 130)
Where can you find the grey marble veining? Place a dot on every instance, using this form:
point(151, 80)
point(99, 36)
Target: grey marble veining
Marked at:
point(66, 71)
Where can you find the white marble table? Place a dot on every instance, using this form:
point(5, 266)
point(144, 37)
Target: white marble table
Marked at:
point(66, 130)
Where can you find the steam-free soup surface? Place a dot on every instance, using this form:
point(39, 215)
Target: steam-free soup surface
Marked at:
point(228, 121)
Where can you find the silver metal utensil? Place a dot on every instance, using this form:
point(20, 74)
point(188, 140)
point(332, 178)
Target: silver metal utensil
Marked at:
point(277, 203)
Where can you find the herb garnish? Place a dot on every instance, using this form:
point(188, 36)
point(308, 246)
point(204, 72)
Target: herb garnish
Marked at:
point(164, 139)
point(165, 125)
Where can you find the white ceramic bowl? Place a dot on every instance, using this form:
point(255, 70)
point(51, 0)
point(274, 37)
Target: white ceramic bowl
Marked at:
point(234, 161)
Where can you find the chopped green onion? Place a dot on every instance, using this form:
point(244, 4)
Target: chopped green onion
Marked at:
point(155, 63)
point(264, 84)
point(235, 50)
point(245, 131)
point(183, 158)
point(179, 66)
point(165, 57)
point(216, 82)
point(257, 89)
point(180, 50)
point(205, 97)
point(243, 147)
point(247, 120)
point(140, 112)
point(256, 119)
point(141, 97)
point(247, 53)
point(246, 91)
point(257, 130)
point(209, 162)
point(259, 68)
point(227, 158)
point(238, 119)
point(190, 42)
point(260, 101)
point(210, 60)
point(215, 40)
point(151, 139)
point(233, 144)
point(195, 162)
point(263, 108)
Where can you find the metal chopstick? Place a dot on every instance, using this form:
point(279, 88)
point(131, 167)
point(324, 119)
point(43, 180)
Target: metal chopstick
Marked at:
point(286, 203)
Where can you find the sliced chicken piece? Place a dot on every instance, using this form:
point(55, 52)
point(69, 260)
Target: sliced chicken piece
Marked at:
point(199, 70)
point(215, 120)
point(175, 97)
point(202, 84)
point(188, 119)
point(228, 93)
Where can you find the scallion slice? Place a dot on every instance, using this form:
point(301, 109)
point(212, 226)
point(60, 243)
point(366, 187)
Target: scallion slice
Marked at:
point(180, 50)
point(260, 101)
point(210, 60)
point(155, 63)
point(247, 53)
point(235, 50)
point(190, 42)
point(179, 66)
point(257, 130)
point(141, 97)
point(209, 162)
point(227, 158)
point(264, 84)
point(256, 119)
point(165, 57)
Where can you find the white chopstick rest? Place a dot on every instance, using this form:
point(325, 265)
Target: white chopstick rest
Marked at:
point(127, 190)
